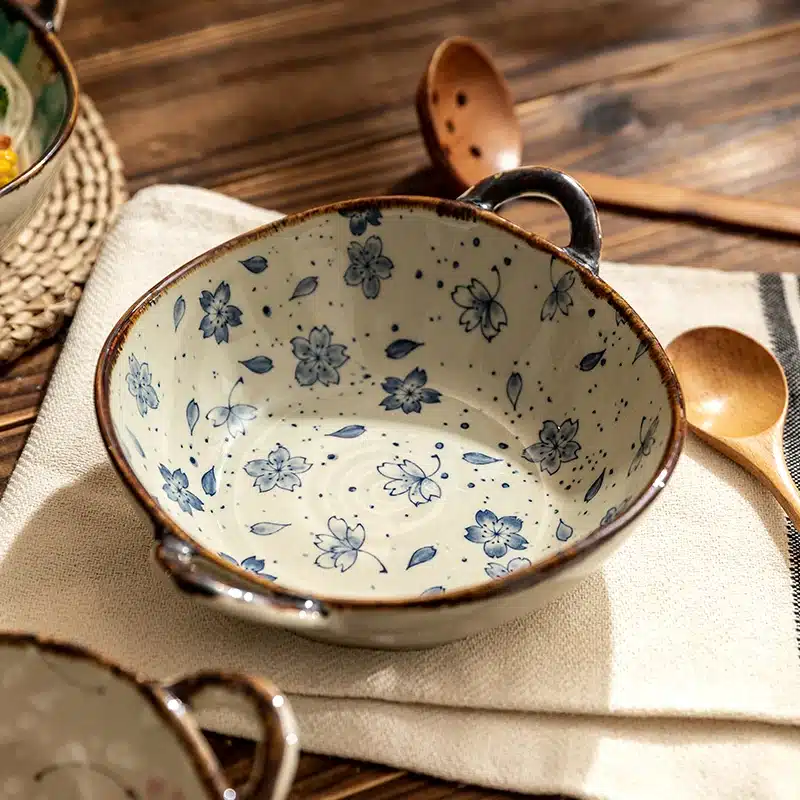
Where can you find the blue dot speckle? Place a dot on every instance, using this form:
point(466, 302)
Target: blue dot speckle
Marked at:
point(331, 456)
point(445, 475)
point(193, 461)
point(504, 485)
point(351, 489)
point(439, 445)
point(471, 485)
point(464, 425)
point(502, 445)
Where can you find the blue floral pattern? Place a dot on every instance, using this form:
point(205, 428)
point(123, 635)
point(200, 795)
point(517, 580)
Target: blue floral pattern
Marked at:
point(497, 571)
point(496, 535)
point(176, 487)
point(318, 360)
point(220, 314)
point(556, 444)
point(251, 564)
point(559, 298)
point(647, 438)
point(138, 379)
point(368, 266)
point(409, 393)
point(614, 512)
point(234, 415)
point(278, 470)
point(360, 219)
point(481, 307)
point(410, 479)
point(342, 546)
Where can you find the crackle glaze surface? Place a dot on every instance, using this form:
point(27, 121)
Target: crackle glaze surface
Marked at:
point(70, 728)
point(384, 402)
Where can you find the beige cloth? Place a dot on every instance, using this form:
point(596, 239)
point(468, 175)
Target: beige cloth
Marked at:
point(673, 673)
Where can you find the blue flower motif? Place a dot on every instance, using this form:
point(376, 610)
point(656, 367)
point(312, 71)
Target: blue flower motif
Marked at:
point(408, 478)
point(176, 488)
point(251, 564)
point(277, 469)
point(368, 266)
point(360, 219)
point(481, 307)
point(497, 571)
point(496, 535)
point(614, 512)
point(647, 438)
point(234, 415)
point(139, 385)
point(409, 393)
point(340, 547)
point(556, 445)
point(318, 359)
point(559, 299)
point(219, 314)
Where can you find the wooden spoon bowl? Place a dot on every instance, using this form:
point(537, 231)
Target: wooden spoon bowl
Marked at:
point(466, 113)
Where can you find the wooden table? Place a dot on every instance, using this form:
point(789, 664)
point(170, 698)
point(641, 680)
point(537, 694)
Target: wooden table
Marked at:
point(293, 103)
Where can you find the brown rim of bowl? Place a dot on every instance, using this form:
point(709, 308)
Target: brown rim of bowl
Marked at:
point(516, 581)
point(54, 49)
point(208, 769)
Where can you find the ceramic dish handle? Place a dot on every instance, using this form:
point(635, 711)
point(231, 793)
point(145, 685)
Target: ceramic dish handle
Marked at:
point(51, 13)
point(585, 237)
point(275, 759)
point(196, 575)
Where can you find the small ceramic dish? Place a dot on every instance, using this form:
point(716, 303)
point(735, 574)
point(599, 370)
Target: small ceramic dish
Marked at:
point(28, 41)
point(391, 422)
point(74, 725)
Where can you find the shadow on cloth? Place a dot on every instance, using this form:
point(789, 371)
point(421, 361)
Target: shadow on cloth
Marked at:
point(81, 570)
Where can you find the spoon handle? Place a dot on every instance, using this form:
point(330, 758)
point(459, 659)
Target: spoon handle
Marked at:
point(786, 494)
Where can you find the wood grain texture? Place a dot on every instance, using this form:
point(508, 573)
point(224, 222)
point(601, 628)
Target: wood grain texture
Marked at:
point(294, 103)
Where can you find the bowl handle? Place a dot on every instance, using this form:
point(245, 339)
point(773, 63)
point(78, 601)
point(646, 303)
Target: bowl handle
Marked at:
point(194, 574)
point(275, 759)
point(585, 237)
point(50, 13)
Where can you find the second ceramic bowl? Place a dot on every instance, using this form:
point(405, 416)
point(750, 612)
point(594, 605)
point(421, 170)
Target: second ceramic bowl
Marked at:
point(391, 422)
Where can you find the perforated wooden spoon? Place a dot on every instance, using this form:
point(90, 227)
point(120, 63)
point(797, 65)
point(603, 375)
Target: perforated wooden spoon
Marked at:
point(467, 118)
point(736, 398)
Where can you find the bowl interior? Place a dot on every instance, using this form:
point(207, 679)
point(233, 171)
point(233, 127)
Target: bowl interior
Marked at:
point(72, 729)
point(386, 401)
point(46, 80)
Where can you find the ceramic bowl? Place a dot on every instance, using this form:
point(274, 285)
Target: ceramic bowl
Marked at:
point(391, 422)
point(28, 40)
point(75, 726)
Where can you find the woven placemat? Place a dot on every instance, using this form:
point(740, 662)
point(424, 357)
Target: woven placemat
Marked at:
point(43, 272)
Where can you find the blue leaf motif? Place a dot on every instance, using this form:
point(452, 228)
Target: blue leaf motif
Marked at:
point(178, 310)
point(348, 432)
point(641, 350)
point(400, 348)
point(592, 491)
point(255, 264)
point(433, 590)
point(305, 287)
point(209, 482)
point(268, 528)
point(192, 415)
point(591, 360)
point(479, 459)
point(421, 556)
point(514, 389)
point(258, 364)
point(563, 532)
point(135, 441)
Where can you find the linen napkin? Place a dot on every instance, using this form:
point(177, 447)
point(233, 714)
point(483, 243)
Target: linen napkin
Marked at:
point(672, 673)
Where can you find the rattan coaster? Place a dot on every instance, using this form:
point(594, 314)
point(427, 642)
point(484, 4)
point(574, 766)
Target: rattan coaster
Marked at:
point(43, 272)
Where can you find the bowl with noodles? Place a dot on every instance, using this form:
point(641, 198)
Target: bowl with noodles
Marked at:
point(38, 109)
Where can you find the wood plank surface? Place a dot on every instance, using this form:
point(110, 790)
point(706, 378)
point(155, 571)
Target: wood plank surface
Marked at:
point(294, 103)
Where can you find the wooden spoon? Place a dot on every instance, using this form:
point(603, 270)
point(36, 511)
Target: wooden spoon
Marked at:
point(736, 398)
point(467, 119)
